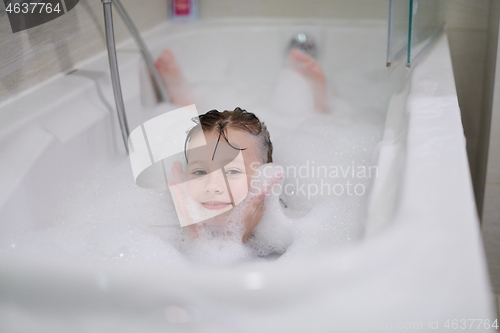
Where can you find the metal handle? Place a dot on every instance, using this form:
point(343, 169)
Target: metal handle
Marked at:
point(115, 76)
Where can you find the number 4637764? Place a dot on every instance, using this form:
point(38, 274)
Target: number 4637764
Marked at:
point(33, 8)
point(470, 324)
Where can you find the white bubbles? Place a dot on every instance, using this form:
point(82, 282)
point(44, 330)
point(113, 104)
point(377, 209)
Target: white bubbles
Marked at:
point(119, 223)
point(209, 243)
point(103, 216)
point(329, 167)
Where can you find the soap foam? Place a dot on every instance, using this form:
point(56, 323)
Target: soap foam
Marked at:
point(218, 240)
point(105, 216)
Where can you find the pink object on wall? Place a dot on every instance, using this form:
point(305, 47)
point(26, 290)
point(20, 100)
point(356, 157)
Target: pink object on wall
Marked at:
point(184, 9)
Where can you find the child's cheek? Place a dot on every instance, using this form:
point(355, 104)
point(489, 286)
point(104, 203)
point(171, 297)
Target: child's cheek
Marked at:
point(239, 189)
point(194, 188)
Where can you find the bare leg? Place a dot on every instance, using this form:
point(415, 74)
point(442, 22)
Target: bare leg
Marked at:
point(172, 76)
point(308, 67)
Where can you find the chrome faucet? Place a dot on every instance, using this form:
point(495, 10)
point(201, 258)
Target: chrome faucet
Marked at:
point(304, 43)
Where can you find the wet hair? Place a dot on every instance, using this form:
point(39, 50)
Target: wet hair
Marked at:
point(239, 119)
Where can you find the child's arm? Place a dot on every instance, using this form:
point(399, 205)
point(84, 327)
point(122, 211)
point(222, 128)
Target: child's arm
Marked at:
point(253, 215)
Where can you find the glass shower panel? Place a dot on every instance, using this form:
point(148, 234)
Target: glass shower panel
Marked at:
point(426, 23)
point(397, 43)
point(413, 26)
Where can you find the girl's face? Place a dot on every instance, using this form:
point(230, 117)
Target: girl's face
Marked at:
point(220, 181)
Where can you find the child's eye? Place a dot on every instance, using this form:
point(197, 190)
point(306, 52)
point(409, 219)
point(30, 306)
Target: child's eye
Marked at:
point(199, 172)
point(233, 172)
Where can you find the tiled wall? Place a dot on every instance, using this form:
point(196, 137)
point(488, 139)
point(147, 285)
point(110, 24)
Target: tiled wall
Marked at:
point(34, 55)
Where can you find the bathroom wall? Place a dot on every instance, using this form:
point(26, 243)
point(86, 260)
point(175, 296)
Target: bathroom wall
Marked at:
point(491, 207)
point(467, 28)
point(473, 30)
point(344, 9)
point(32, 56)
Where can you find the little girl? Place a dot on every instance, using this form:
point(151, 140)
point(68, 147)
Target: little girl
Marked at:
point(222, 152)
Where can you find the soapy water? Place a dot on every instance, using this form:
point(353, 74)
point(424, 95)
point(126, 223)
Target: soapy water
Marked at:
point(219, 239)
point(113, 220)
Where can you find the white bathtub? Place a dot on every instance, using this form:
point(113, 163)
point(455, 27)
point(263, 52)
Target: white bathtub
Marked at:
point(420, 265)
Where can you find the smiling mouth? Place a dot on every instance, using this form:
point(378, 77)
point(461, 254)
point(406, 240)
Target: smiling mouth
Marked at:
point(213, 205)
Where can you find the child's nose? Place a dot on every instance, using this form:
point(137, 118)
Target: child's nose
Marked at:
point(215, 182)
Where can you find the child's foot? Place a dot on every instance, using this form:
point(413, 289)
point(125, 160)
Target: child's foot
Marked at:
point(174, 81)
point(307, 66)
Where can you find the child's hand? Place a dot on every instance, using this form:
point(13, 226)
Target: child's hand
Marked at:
point(255, 209)
point(253, 214)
